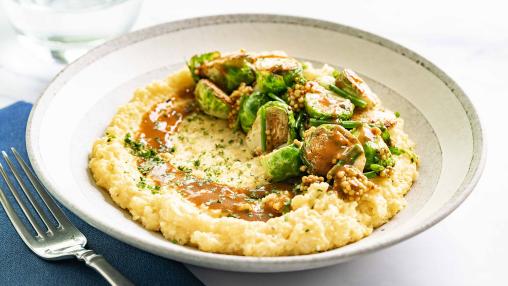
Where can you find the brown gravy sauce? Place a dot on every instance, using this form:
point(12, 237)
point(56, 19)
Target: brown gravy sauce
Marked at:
point(163, 121)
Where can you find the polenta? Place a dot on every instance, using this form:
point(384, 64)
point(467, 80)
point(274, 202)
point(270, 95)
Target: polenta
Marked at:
point(257, 154)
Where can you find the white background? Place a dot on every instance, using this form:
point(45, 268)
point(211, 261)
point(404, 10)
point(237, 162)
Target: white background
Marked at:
point(467, 39)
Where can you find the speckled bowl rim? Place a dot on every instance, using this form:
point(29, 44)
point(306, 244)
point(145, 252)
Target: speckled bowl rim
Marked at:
point(221, 261)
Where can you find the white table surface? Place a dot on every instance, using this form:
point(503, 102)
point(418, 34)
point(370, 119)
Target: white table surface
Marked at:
point(467, 39)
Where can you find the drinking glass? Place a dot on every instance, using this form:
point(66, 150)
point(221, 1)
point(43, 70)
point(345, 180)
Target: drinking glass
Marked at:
point(67, 28)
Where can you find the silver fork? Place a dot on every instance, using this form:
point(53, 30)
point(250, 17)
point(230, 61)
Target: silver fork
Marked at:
point(52, 241)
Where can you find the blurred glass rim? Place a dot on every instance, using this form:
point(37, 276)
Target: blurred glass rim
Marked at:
point(42, 5)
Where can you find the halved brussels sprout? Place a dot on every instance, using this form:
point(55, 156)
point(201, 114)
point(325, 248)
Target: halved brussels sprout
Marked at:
point(327, 144)
point(273, 127)
point(229, 72)
point(249, 107)
point(321, 103)
point(212, 100)
point(276, 74)
point(377, 154)
point(349, 82)
point(282, 163)
point(197, 60)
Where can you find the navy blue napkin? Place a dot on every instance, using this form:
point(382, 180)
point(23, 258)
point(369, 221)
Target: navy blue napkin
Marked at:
point(19, 266)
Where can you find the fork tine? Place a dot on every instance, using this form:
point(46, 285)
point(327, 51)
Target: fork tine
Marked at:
point(22, 205)
point(26, 235)
point(28, 194)
point(41, 190)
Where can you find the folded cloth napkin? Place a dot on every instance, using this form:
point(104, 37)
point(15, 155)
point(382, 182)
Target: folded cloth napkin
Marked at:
point(19, 266)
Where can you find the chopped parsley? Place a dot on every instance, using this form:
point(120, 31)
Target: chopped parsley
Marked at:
point(184, 169)
point(140, 149)
point(142, 184)
point(110, 137)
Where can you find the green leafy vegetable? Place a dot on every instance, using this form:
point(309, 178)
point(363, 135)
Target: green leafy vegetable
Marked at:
point(249, 108)
point(197, 60)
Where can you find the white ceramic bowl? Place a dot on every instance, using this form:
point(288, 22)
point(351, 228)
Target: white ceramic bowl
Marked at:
point(80, 101)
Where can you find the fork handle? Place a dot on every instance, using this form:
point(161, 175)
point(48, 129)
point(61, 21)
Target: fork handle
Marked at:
point(99, 263)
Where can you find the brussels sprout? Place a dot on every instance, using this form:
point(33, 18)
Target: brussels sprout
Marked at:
point(282, 163)
point(273, 127)
point(377, 154)
point(211, 99)
point(276, 74)
point(249, 107)
point(197, 60)
point(321, 103)
point(229, 72)
point(327, 144)
point(355, 89)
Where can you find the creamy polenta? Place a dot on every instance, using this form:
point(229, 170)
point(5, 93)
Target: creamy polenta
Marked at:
point(257, 154)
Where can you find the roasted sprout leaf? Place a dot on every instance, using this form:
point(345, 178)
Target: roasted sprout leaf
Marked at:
point(249, 108)
point(197, 60)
